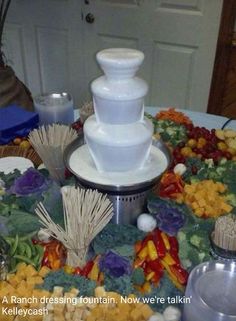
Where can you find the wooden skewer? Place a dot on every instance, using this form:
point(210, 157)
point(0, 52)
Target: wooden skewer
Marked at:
point(225, 232)
point(86, 213)
point(50, 143)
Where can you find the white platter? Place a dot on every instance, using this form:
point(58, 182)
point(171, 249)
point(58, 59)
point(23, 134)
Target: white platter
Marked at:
point(10, 163)
point(81, 163)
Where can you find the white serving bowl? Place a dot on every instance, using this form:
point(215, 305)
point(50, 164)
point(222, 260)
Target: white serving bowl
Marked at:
point(118, 147)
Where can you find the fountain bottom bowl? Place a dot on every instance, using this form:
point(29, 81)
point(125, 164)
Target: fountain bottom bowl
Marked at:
point(128, 190)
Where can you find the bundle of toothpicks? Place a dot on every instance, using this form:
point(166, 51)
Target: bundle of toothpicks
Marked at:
point(86, 213)
point(50, 143)
point(225, 232)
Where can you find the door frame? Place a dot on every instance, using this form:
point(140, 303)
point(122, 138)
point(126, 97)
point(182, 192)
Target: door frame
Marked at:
point(223, 51)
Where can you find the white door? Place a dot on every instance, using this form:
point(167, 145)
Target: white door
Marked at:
point(42, 42)
point(52, 47)
point(178, 38)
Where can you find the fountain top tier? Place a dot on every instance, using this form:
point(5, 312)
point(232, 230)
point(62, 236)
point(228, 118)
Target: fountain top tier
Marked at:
point(120, 62)
point(118, 95)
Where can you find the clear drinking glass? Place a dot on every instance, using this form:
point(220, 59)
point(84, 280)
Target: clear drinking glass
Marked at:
point(212, 290)
point(54, 108)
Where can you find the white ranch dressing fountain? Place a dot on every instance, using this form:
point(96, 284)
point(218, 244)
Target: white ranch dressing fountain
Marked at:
point(118, 157)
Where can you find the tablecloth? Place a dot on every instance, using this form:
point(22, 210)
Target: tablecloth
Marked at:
point(199, 119)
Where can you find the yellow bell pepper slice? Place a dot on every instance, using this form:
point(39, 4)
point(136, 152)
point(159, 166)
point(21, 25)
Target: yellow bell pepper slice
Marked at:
point(165, 240)
point(152, 252)
point(143, 253)
point(93, 274)
point(169, 259)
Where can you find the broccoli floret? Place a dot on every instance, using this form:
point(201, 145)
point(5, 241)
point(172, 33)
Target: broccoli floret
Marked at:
point(187, 254)
point(231, 198)
point(122, 285)
point(196, 241)
point(68, 281)
point(149, 116)
point(193, 248)
point(194, 180)
point(164, 290)
point(165, 136)
point(171, 131)
point(153, 120)
point(201, 256)
point(138, 277)
point(181, 236)
point(117, 235)
point(200, 240)
point(125, 250)
point(220, 170)
point(223, 161)
point(202, 174)
point(209, 162)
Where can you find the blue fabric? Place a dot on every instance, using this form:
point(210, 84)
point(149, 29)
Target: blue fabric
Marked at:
point(16, 122)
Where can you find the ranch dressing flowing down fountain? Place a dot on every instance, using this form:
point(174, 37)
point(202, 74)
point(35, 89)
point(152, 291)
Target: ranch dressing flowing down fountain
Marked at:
point(118, 136)
point(118, 157)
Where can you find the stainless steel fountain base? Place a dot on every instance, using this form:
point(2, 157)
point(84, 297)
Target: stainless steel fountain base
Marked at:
point(127, 206)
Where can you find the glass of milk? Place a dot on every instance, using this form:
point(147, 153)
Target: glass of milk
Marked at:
point(54, 108)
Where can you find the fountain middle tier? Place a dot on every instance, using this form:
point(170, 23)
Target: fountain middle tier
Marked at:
point(119, 101)
point(118, 148)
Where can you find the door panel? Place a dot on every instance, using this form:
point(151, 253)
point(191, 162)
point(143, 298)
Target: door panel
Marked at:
point(108, 41)
point(50, 37)
point(166, 85)
point(182, 4)
point(14, 49)
point(54, 62)
point(122, 2)
point(178, 38)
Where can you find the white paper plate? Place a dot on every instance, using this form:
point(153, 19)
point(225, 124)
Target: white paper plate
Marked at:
point(9, 164)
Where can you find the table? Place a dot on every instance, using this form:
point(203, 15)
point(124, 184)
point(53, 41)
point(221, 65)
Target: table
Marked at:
point(199, 119)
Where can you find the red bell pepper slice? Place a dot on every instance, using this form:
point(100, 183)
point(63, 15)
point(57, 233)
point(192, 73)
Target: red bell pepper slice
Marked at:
point(137, 246)
point(174, 248)
point(158, 241)
point(174, 245)
point(167, 191)
point(158, 276)
point(88, 267)
point(155, 266)
point(180, 273)
point(170, 185)
point(149, 237)
point(77, 271)
point(175, 256)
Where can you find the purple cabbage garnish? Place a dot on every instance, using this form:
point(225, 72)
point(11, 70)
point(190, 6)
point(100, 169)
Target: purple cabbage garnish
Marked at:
point(114, 264)
point(169, 219)
point(30, 182)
